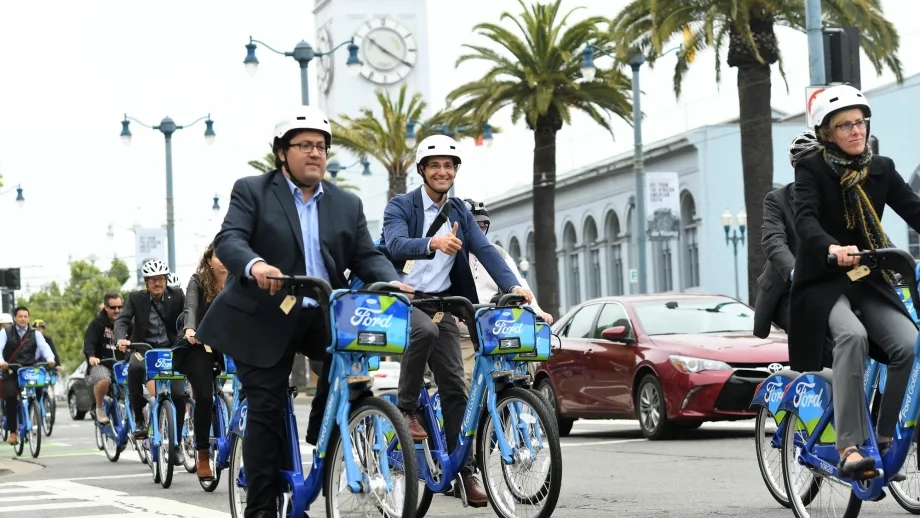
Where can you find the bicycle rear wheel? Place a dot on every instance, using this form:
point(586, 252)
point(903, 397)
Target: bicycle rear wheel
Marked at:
point(48, 418)
point(368, 441)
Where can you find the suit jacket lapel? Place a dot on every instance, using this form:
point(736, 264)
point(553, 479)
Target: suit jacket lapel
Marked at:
point(326, 230)
point(286, 199)
point(419, 207)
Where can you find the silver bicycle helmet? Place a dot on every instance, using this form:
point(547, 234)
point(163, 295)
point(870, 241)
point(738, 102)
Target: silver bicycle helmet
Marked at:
point(802, 144)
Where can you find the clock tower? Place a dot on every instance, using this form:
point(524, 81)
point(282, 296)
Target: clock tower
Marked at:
point(392, 40)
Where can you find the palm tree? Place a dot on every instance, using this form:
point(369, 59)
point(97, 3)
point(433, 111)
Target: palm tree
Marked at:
point(384, 137)
point(644, 26)
point(267, 164)
point(537, 75)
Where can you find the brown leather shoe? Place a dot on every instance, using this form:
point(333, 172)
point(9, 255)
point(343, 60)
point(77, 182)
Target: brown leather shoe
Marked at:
point(14, 438)
point(204, 466)
point(475, 493)
point(415, 428)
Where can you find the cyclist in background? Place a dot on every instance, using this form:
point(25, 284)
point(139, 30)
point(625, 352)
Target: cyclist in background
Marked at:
point(6, 320)
point(22, 345)
point(40, 325)
point(487, 289)
point(99, 343)
point(173, 281)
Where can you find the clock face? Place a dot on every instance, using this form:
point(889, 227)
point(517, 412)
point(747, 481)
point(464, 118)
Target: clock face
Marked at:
point(388, 51)
point(325, 63)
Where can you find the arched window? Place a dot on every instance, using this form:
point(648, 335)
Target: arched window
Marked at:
point(630, 232)
point(514, 250)
point(690, 251)
point(615, 274)
point(593, 266)
point(573, 288)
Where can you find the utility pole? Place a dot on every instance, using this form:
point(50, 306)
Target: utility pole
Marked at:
point(813, 28)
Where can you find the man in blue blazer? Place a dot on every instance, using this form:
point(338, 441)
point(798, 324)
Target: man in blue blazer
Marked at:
point(431, 253)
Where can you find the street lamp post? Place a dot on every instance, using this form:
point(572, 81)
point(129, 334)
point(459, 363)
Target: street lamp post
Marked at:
point(20, 199)
point(167, 127)
point(303, 53)
point(735, 237)
point(411, 139)
point(334, 168)
point(588, 71)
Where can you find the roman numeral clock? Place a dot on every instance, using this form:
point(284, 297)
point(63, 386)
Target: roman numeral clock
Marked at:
point(388, 50)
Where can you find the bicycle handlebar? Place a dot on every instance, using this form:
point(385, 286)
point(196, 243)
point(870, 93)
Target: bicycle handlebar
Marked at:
point(462, 308)
point(21, 366)
point(893, 259)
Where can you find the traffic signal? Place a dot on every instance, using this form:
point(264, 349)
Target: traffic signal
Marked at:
point(841, 56)
point(7, 301)
point(10, 279)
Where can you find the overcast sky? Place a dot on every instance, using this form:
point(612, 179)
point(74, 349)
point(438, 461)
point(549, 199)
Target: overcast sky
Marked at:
point(71, 70)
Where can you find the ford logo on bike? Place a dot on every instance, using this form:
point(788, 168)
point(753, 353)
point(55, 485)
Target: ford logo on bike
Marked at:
point(163, 363)
point(775, 367)
point(367, 317)
point(507, 327)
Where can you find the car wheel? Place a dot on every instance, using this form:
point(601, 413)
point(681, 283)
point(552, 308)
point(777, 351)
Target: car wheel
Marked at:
point(75, 413)
point(651, 409)
point(545, 387)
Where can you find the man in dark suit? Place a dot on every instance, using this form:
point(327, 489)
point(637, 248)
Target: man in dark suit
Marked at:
point(432, 252)
point(150, 316)
point(779, 244)
point(285, 222)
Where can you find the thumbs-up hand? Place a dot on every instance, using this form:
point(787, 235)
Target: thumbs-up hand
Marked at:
point(448, 243)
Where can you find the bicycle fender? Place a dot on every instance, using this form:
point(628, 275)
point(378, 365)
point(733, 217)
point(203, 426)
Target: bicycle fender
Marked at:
point(238, 421)
point(769, 393)
point(808, 396)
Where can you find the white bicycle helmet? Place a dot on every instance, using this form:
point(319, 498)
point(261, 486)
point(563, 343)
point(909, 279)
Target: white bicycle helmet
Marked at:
point(6, 318)
point(802, 144)
point(836, 98)
point(154, 267)
point(304, 118)
point(173, 280)
point(437, 145)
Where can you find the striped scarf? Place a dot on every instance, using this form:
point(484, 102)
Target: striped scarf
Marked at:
point(858, 208)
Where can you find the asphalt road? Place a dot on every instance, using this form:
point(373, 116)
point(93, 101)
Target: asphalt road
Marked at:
point(608, 470)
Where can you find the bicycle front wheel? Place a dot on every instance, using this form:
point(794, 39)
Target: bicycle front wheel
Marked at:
point(388, 488)
point(48, 417)
point(35, 432)
point(530, 485)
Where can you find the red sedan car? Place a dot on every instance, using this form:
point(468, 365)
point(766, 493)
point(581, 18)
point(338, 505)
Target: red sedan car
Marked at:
point(672, 361)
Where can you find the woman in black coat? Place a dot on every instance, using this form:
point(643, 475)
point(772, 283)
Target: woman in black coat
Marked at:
point(840, 195)
point(199, 360)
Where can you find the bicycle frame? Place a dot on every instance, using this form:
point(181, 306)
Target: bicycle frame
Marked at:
point(304, 490)
point(221, 438)
point(118, 429)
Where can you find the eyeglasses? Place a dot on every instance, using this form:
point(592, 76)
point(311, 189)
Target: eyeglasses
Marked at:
point(848, 126)
point(437, 167)
point(308, 147)
point(115, 308)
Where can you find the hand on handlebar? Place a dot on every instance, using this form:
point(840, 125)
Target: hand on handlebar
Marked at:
point(843, 259)
point(547, 318)
point(123, 344)
point(407, 290)
point(190, 336)
point(528, 296)
point(93, 361)
point(261, 271)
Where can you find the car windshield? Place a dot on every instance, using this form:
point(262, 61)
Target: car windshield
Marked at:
point(694, 316)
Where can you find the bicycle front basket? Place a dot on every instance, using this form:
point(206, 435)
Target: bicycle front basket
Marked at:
point(374, 323)
point(159, 364)
point(33, 377)
point(544, 344)
point(120, 369)
point(506, 330)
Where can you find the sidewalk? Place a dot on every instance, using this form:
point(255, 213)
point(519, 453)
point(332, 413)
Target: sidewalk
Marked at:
point(17, 467)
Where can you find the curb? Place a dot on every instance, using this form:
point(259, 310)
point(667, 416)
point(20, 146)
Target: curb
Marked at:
point(10, 467)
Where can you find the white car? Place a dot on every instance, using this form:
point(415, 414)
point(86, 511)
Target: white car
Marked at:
point(387, 376)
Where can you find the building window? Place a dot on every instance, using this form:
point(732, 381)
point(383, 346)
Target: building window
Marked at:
point(593, 266)
point(665, 266)
point(690, 251)
point(614, 254)
point(572, 284)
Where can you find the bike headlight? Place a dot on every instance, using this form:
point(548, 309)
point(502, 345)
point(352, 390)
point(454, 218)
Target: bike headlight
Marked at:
point(691, 365)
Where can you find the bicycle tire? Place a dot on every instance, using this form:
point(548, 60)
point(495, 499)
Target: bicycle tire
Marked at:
point(113, 457)
point(48, 421)
point(187, 443)
point(550, 436)
point(389, 410)
point(210, 485)
point(167, 444)
point(35, 439)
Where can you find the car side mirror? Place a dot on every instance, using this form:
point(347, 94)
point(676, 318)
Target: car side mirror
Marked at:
point(617, 334)
point(555, 345)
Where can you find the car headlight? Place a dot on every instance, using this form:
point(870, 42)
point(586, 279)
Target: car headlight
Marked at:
point(691, 365)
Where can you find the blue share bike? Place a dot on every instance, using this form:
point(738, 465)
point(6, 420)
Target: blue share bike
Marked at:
point(809, 454)
point(48, 404)
point(32, 378)
point(363, 324)
point(767, 397)
point(117, 433)
point(511, 421)
point(223, 416)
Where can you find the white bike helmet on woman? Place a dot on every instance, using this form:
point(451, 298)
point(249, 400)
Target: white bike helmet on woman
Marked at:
point(833, 99)
point(802, 144)
point(154, 268)
point(436, 145)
